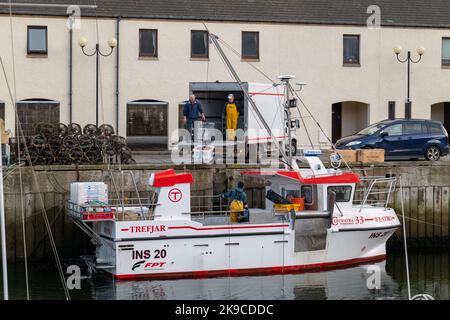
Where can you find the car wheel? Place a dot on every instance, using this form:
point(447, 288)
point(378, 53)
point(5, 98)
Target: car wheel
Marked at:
point(433, 153)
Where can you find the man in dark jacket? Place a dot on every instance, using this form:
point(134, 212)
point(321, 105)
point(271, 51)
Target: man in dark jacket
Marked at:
point(238, 206)
point(192, 109)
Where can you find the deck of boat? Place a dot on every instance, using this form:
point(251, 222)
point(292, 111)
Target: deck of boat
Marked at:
point(257, 216)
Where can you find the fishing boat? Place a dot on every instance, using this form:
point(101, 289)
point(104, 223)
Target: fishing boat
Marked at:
point(166, 239)
point(315, 218)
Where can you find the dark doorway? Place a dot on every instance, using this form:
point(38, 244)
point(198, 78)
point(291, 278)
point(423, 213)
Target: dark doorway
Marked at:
point(336, 122)
point(2, 110)
point(447, 116)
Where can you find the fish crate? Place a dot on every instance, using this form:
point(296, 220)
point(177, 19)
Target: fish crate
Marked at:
point(285, 208)
point(204, 131)
point(203, 154)
point(91, 212)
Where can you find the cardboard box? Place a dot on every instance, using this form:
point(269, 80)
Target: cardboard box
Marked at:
point(348, 155)
point(371, 156)
point(4, 137)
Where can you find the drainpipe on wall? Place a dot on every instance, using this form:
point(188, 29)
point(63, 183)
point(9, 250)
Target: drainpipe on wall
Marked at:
point(70, 70)
point(117, 72)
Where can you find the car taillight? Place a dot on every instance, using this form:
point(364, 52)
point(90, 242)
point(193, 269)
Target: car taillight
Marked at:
point(445, 131)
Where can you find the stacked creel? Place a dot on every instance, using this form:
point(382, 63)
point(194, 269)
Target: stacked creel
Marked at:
point(61, 144)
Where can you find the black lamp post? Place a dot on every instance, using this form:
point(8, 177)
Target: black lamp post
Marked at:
point(112, 43)
point(409, 60)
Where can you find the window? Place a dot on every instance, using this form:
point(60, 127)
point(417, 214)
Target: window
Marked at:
point(290, 194)
point(351, 49)
point(148, 43)
point(394, 130)
point(147, 118)
point(414, 128)
point(250, 45)
point(434, 128)
point(391, 110)
point(343, 193)
point(32, 111)
point(37, 40)
point(446, 51)
point(2, 111)
point(307, 194)
point(199, 44)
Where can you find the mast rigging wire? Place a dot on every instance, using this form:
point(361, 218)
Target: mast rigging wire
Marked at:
point(22, 205)
point(295, 93)
point(246, 94)
point(405, 242)
point(333, 146)
point(41, 200)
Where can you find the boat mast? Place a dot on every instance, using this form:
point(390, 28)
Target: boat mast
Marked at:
point(227, 62)
point(3, 232)
point(287, 112)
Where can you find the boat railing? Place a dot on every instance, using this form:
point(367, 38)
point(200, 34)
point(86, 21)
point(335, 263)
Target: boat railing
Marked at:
point(375, 192)
point(111, 211)
point(121, 193)
point(207, 203)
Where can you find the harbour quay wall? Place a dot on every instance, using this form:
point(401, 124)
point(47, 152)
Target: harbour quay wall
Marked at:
point(426, 199)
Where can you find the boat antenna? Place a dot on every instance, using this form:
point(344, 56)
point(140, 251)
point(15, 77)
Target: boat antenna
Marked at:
point(213, 38)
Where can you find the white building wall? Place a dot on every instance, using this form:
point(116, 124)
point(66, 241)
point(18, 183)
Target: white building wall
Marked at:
point(311, 52)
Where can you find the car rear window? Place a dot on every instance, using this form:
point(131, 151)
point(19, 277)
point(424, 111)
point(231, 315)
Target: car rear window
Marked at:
point(434, 128)
point(414, 128)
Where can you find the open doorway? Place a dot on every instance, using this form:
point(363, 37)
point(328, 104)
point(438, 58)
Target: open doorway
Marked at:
point(441, 112)
point(347, 118)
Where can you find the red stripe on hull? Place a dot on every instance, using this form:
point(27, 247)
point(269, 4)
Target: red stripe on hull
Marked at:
point(253, 271)
point(230, 228)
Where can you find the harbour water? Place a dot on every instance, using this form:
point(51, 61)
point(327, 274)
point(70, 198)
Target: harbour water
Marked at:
point(429, 274)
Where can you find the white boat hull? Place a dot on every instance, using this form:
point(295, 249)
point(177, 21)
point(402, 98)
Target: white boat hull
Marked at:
point(149, 249)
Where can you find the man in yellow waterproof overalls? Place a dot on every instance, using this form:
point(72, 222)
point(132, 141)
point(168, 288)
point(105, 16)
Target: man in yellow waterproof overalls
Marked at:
point(232, 115)
point(238, 206)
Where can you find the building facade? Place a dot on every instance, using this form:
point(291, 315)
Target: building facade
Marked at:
point(352, 74)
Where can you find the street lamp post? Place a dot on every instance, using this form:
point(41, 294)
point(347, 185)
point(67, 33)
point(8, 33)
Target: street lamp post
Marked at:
point(420, 51)
point(112, 43)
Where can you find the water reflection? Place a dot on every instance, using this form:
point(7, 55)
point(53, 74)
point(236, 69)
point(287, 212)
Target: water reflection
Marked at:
point(429, 274)
point(337, 284)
